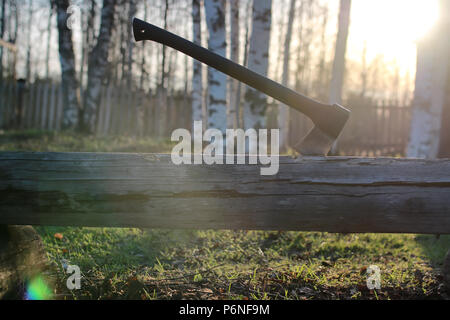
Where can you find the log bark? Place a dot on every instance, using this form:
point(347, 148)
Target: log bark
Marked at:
point(147, 190)
point(22, 256)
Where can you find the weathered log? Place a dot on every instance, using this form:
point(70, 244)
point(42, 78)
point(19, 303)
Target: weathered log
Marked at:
point(22, 257)
point(333, 194)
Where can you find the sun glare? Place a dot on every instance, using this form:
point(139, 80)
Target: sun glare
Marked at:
point(421, 15)
point(392, 27)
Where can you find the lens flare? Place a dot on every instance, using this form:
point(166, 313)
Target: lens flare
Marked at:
point(37, 289)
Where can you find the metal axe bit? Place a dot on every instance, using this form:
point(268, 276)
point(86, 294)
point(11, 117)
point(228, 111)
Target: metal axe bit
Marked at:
point(329, 120)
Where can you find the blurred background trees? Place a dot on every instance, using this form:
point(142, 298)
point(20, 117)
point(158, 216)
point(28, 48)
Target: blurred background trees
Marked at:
point(96, 78)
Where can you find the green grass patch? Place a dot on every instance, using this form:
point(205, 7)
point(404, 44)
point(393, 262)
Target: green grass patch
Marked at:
point(163, 264)
point(32, 140)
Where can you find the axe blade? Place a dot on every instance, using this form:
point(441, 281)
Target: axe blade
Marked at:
point(328, 126)
point(315, 143)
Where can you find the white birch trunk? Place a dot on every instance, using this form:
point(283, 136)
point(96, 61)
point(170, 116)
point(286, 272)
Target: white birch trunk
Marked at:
point(197, 88)
point(233, 106)
point(337, 76)
point(144, 73)
point(255, 104)
point(433, 54)
point(69, 80)
point(217, 81)
point(131, 42)
point(283, 110)
point(98, 62)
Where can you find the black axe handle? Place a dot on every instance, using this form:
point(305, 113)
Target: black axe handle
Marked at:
point(329, 118)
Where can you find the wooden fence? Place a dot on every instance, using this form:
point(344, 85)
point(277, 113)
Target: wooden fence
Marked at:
point(373, 130)
point(121, 111)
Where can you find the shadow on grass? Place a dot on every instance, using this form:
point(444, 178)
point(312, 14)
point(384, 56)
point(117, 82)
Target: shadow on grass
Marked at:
point(434, 248)
point(101, 250)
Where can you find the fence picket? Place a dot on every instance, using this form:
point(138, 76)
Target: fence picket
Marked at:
point(51, 113)
point(7, 110)
point(44, 106)
point(2, 102)
point(59, 107)
point(37, 103)
point(100, 113)
point(107, 111)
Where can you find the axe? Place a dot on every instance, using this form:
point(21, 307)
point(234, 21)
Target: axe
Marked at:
point(329, 120)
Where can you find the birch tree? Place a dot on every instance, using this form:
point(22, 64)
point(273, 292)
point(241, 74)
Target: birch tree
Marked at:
point(247, 20)
point(337, 75)
point(444, 143)
point(49, 37)
point(69, 80)
point(164, 49)
point(283, 110)
point(98, 64)
point(255, 102)
point(131, 13)
point(29, 44)
point(321, 82)
point(217, 81)
point(2, 33)
point(197, 88)
point(233, 106)
point(144, 73)
point(432, 74)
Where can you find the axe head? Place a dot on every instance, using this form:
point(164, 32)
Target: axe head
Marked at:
point(329, 121)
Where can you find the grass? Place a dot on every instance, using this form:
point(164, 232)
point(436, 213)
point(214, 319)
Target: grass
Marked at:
point(72, 142)
point(174, 264)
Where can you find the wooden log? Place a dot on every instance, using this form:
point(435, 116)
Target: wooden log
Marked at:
point(335, 194)
point(22, 257)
